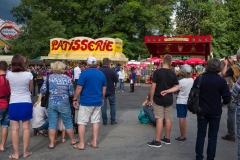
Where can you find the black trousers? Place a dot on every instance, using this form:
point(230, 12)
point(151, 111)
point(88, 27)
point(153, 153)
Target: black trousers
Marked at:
point(131, 87)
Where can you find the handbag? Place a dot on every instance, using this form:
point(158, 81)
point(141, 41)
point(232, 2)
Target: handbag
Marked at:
point(142, 117)
point(44, 102)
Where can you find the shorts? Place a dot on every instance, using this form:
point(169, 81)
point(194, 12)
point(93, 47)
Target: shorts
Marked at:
point(181, 110)
point(138, 78)
point(162, 112)
point(62, 110)
point(89, 111)
point(4, 120)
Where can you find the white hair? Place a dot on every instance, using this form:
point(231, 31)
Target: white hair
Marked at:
point(58, 67)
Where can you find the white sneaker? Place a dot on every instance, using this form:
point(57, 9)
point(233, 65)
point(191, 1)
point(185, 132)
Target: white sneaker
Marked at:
point(122, 91)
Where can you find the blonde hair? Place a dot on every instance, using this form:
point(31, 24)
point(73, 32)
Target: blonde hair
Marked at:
point(185, 75)
point(167, 59)
point(58, 67)
point(39, 100)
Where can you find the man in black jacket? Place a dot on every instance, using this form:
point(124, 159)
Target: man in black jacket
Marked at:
point(112, 79)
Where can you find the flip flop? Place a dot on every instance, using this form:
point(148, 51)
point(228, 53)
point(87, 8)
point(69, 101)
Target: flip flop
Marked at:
point(76, 147)
point(29, 154)
point(43, 133)
point(90, 145)
point(4, 150)
point(11, 157)
point(77, 141)
point(50, 147)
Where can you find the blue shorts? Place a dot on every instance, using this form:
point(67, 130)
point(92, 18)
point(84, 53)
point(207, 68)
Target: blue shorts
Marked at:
point(62, 110)
point(4, 120)
point(181, 110)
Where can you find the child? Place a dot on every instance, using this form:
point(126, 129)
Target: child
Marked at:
point(148, 110)
point(60, 127)
point(185, 84)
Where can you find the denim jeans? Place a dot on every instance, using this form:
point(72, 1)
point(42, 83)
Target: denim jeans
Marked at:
point(120, 84)
point(44, 126)
point(112, 103)
point(231, 119)
point(213, 121)
point(149, 114)
point(4, 120)
point(238, 129)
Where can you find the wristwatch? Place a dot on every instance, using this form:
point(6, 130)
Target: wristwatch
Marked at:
point(74, 99)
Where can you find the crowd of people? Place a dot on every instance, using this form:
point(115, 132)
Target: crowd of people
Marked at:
point(90, 94)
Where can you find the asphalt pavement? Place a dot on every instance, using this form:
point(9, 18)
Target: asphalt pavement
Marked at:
point(127, 140)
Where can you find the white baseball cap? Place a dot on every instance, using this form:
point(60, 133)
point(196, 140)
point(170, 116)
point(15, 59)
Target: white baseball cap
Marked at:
point(91, 60)
point(186, 68)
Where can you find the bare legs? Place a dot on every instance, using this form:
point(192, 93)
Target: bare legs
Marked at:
point(183, 127)
point(159, 128)
point(81, 132)
point(15, 137)
point(4, 138)
point(26, 137)
point(52, 136)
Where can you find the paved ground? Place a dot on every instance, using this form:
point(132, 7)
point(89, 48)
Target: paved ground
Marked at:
point(127, 139)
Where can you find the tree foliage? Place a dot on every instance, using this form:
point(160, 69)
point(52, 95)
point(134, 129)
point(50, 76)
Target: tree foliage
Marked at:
point(211, 17)
point(129, 20)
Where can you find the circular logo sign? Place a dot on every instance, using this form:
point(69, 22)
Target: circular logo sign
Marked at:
point(9, 32)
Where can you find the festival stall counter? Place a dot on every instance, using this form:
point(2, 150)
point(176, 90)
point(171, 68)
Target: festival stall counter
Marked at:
point(80, 48)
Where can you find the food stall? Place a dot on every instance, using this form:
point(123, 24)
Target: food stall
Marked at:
point(80, 48)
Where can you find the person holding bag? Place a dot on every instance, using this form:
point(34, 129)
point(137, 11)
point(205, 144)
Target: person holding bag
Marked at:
point(60, 88)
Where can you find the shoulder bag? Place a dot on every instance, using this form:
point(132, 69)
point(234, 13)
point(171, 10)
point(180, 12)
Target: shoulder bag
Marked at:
point(45, 99)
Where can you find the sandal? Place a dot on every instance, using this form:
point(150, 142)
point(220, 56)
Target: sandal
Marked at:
point(43, 133)
point(77, 141)
point(11, 157)
point(76, 147)
point(4, 150)
point(90, 145)
point(28, 155)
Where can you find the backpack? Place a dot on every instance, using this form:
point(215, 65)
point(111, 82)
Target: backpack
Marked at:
point(193, 103)
point(7, 96)
point(236, 75)
point(142, 117)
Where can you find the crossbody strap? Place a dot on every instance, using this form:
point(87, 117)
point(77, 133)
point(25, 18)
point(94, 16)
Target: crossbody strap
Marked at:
point(199, 81)
point(47, 83)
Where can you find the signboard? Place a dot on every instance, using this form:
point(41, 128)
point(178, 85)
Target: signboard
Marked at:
point(9, 31)
point(80, 46)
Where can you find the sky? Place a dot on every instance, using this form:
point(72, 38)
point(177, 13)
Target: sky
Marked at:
point(5, 7)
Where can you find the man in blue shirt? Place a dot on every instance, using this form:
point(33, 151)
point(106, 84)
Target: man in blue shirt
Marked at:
point(112, 79)
point(91, 86)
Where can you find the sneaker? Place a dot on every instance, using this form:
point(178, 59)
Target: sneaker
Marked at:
point(166, 141)
point(154, 144)
point(114, 122)
point(182, 140)
point(122, 91)
point(228, 138)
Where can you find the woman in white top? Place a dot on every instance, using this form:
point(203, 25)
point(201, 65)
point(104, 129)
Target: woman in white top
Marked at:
point(185, 84)
point(20, 105)
point(121, 77)
point(39, 122)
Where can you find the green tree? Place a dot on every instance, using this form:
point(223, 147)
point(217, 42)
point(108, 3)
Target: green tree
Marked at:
point(35, 36)
point(206, 17)
point(129, 20)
